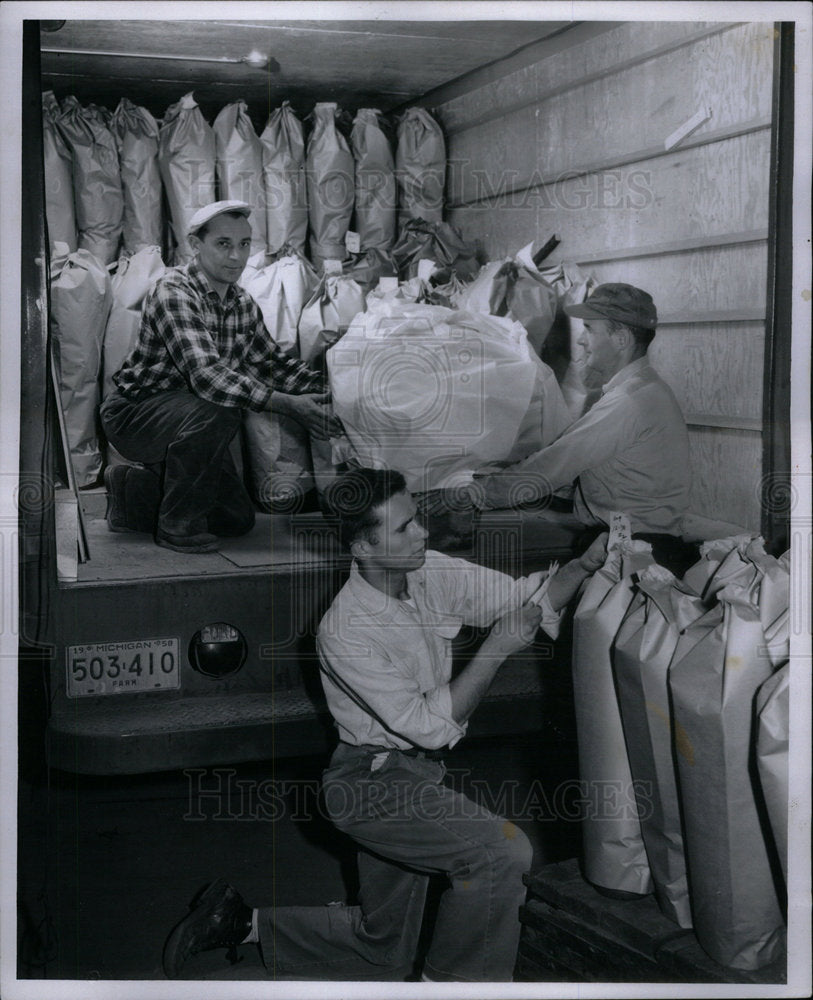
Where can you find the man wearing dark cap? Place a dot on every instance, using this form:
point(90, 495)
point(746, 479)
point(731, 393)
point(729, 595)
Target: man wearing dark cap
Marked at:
point(630, 452)
point(203, 356)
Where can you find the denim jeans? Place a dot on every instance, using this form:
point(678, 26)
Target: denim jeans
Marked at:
point(185, 440)
point(409, 825)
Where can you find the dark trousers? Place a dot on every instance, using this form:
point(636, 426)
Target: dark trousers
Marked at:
point(190, 484)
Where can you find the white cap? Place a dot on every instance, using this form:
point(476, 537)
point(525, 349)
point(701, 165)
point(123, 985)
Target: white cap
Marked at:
point(209, 212)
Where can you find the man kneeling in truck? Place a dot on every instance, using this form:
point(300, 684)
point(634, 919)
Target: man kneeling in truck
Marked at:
point(385, 653)
point(630, 452)
point(203, 356)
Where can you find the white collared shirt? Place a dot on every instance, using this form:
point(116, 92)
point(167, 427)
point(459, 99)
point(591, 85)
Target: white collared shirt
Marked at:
point(395, 655)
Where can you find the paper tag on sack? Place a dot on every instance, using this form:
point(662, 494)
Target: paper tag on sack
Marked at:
point(387, 284)
point(620, 532)
point(426, 268)
point(352, 242)
point(539, 593)
point(332, 266)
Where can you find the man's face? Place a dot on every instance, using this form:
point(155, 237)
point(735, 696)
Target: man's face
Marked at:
point(602, 353)
point(224, 250)
point(400, 540)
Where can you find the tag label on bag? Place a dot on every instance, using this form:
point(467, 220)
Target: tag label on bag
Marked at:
point(426, 268)
point(332, 266)
point(620, 532)
point(352, 242)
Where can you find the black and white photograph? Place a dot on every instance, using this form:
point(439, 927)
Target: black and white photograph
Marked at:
point(405, 499)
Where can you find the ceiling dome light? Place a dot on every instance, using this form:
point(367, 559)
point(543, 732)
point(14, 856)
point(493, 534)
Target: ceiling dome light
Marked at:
point(255, 59)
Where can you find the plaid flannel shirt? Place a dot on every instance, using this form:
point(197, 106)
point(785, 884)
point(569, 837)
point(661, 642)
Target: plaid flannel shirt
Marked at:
point(218, 349)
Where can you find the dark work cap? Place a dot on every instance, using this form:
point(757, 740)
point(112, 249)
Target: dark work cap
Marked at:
point(620, 302)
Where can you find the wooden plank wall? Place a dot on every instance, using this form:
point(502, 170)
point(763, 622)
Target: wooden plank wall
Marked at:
point(574, 145)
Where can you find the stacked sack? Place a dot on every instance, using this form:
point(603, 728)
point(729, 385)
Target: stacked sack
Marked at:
point(107, 175)
point(667, 674)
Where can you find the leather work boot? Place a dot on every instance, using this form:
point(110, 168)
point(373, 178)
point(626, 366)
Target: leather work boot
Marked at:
point(133, 498)
point(201, 541)
point(219, 919)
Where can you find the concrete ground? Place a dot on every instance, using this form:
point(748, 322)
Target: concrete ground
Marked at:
point(107, 866)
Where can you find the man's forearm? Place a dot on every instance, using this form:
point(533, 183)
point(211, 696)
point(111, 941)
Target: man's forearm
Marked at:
point(470, 685)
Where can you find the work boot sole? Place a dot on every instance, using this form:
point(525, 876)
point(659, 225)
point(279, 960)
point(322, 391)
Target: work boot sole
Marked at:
point(192, 544)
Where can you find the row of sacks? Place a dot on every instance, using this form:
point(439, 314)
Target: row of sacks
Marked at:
point(681, 697)
point(106, 175)
point(415, 366)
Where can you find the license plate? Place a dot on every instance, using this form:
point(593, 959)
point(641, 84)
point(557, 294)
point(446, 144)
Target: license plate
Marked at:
point(101, 668)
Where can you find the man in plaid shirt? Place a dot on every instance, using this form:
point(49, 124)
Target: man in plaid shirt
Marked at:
point(203, 355)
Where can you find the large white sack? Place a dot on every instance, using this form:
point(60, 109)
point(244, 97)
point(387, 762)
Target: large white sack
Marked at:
point(773, 741)
point(278, 456)
point(433, 392)
point(97, 193)
point(136, 134)
point(58, 172)
point(130, 285)
point(420, 167)
point(335, 303)
point(376, 196)
point(280, 287)
point(284, 183)
point(331, 186)
point(240, 166)
point(719, 665)
point(81, 297)
point(186, 156)
point(612, 841)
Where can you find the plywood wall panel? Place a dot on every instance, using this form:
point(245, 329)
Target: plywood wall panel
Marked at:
point(726, 474)
point(635, 109)
point(714, 369)
point(703, 192)
point(570, 66)
point(717, 278)
point(492, 159)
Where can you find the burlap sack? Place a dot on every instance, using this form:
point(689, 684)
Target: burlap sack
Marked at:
point(331, 186)
point(134, 278)
point(420, 167)
point(186, 156)
point(58, 175)
point(515, 288)
point(240, 167)
point(97, 193)
point(773, 725)
point(367, 268)
point(331, 309)
point(136, 134)
point(435, 241)
point(718, 665)
point(612, 842)
point(280, 286)
point(643, 651)
point(81, 297)
point(376, 195)
point(284, 182)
